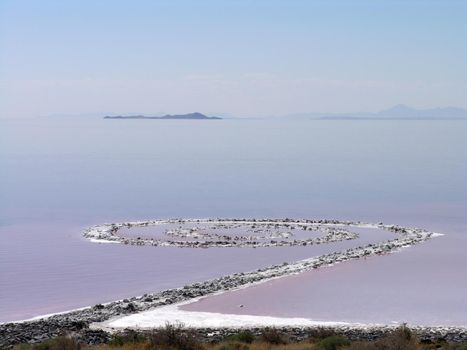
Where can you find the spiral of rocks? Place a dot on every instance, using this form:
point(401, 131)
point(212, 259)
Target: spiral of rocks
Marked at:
point(266, 233)
point(85, 322)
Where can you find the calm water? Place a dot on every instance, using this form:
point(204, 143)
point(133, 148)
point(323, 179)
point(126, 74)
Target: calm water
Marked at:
point(59, 176)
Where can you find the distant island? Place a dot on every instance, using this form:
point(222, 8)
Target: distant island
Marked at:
point(196, 116)
point(399, 112)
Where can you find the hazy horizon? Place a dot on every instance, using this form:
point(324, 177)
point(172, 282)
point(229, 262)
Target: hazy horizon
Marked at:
point(227, 115)
point(238, 58)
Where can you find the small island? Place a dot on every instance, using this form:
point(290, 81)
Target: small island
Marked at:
point(195, 116)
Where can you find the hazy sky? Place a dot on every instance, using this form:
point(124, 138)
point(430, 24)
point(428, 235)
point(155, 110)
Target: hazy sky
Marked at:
point(246, 58)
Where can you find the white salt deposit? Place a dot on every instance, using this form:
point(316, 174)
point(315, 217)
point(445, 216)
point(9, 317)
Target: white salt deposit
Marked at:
point(172, 314)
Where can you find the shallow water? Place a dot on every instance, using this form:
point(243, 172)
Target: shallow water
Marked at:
point(60, 176)
point(58, 270)
point(422, 285)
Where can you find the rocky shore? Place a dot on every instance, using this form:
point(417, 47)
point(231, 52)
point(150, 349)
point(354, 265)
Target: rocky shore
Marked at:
point(450, 334)
point(85, 322)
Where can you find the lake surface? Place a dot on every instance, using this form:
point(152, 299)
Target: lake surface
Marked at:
point(60, 176)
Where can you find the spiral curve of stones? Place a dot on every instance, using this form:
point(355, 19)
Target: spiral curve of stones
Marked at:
point(89, 320)
point(207, 233)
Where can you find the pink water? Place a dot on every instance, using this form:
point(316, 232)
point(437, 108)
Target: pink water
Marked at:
point(49, 269)
point(59, 176)
point(421, 285)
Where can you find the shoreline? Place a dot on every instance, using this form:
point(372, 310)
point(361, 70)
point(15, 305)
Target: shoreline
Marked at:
point(86, 320)
point(295, 328)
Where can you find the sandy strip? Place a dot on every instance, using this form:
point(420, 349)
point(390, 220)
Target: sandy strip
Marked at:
point(172, 314)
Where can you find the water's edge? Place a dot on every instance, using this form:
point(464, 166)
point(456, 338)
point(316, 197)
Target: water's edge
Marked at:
point(89, 320)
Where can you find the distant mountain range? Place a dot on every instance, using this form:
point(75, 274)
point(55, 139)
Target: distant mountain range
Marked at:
point(196, 115)
point(399, 112)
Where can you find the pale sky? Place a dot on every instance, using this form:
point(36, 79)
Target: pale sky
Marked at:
point(243, 58)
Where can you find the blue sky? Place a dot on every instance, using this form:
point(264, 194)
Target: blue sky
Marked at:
point(245, 58)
